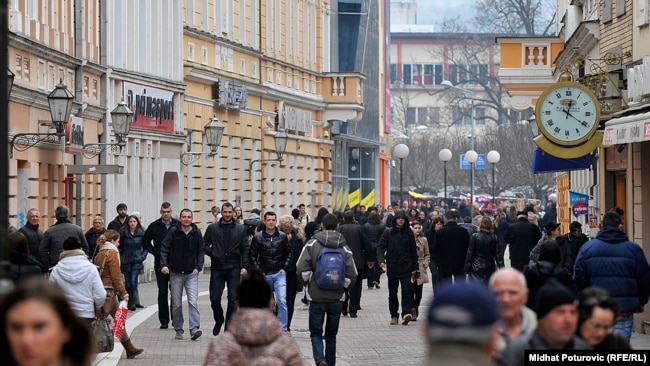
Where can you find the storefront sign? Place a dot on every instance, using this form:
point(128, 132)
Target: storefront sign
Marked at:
point(74, 135)
point(619, 131)
point(232, 96)
point(153, 108)
point(579, 203)
point(294, 119)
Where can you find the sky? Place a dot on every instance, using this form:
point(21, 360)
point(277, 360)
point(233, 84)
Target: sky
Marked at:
point(435, 11)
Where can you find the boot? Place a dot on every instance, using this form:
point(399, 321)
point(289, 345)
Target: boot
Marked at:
point(130, 349)
point(414, 314)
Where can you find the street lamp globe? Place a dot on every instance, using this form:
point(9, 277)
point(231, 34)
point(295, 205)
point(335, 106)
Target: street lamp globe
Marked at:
point(60, 101)
point(444, 155)
point(493, 157)
point(401, 151)
point(280, 138)
point(471, 156)
point(213, 131)
point(121, 117)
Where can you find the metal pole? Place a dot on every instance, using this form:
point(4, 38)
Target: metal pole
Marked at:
point(494, 187)
point(472, 164)
point(5, 277)
point(401, 190)
point(445, 183)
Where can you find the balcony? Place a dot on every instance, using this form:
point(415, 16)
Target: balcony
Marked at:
point(343, 95)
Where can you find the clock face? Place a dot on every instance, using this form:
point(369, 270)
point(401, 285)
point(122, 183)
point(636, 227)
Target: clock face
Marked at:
point(567, 113)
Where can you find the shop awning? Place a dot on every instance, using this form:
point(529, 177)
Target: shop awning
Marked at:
point(547, 163)
point(627, 129)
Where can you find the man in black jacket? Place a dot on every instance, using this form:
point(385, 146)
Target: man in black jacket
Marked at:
point(31, 231)
point(397, 251)
point(157, 231)
point(181, 256)
point(119, 222)
point(522, 236)
point(270, 253)
point(362, 253)
point(450, 245)
point(226, 243)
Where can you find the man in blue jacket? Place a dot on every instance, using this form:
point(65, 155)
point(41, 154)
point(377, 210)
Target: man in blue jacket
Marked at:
point(618, 265)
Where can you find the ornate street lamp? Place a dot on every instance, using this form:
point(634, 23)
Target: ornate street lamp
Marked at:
point(213, 132)
point(280, 139)
point(122, 119)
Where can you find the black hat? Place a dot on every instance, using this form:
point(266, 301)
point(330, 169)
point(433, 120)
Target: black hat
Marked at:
point(551, 226)
point(550, 295)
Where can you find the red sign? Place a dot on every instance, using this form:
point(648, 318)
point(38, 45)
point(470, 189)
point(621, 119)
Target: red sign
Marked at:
point(153, 108)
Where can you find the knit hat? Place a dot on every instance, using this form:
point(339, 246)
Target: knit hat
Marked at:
point(460, 311)
point(550, 295)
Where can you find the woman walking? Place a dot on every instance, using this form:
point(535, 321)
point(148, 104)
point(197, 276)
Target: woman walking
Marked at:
point(108, 260)
point(481, 259)
point(422, 248)
point(132, 256)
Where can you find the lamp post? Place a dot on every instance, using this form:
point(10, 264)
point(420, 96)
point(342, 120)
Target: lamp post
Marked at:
point(471, 156)
point(213, 132)
point(401, 151)
point(493, 158)
point(60, 101)
point(280, 139)
point(445, 155)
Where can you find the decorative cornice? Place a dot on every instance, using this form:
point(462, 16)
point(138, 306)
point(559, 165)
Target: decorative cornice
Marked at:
point(40, 50)
point(129, 75)
point(215, 39)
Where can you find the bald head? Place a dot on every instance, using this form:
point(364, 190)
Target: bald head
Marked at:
point(509, 287)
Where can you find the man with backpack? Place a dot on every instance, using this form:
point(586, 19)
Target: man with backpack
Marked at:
point(326, 267)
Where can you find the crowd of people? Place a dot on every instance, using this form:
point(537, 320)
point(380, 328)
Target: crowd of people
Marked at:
point(559, 291)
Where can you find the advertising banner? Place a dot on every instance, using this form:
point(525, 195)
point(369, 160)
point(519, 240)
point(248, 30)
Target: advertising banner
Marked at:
point(153, 108)
point(579, 203)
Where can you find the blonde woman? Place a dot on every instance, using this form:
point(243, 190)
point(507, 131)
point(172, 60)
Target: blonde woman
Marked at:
point(108, 260)
point(422, 247)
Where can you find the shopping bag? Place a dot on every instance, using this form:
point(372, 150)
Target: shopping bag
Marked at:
point(120, 320)
point(103, 335)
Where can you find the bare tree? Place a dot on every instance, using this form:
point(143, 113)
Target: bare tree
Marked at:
point(516, 17)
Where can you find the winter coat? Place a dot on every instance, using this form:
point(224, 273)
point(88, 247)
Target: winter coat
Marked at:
point(182, 253)
point(52, 243)
point(108, 260)
point(359, 245)
point(613, 262)
point(270, 252)
point(539, 272)
point(514, 355)
point(117, 225)
point(481, 259)
point(451, 243)
point(522, 236)
point(80, 281)
point(236, 255)
point(574, 244)
point(422, 248)
point(132, 254)
point(373, 232)
point(24, 266)
point(565, 253)
point(306, 266)
point(295, 246)
point(254, 337)
point(398, 250)
point(91, 237)
point(156, 232)
point(34, 237)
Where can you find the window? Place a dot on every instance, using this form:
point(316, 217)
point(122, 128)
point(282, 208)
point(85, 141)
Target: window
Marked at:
point(462, 116)
point(439, 77)
point(427, 77)
point(406, 74)
point(190, 51)
point(607, 10)
point(204, 55)
point(483, 74)
point(620, 7)
point(453, 74)
point(411, 116)
point(26, 68)
point(393, 73)
point(428, 116)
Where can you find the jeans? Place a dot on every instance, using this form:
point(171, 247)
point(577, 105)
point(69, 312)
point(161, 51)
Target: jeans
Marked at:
point(292, 288)
point(131, 284)
point(435, 275)
point(374, 275)
point(189, 282)
point(219, 278)
point(162, 280)
point(317, 312)
point(407, 295)
point(623, 325)
point(417, 292)
point(278, 283)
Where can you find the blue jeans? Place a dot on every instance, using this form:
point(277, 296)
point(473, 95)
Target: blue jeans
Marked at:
point(623, 325)
point(278, 283)
point(317, 312)
point(131, 284)
point(189, 282)
point(219, 278)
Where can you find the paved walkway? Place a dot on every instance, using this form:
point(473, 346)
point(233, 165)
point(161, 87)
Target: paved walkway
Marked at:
point(367, 340)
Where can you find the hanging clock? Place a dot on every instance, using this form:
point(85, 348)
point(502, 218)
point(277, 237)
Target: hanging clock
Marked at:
point(567, 113)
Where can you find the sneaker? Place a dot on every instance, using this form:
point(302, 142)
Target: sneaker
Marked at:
point(322, 363)
point(139, 306)
point(376, 285)
point(164, 326)
point(393, 321)
point(179, 334)
point(196, 333)
point(406, 319)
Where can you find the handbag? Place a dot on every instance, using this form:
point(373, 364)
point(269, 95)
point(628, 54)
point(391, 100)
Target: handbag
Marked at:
point(103, 335)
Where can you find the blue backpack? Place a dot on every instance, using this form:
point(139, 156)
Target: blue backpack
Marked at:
point(330, 269)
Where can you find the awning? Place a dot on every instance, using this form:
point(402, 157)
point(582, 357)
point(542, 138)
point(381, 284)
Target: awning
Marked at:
point(547, 163)
point(627, 129)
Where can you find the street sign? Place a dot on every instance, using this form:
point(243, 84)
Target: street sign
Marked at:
point(480, 162)
point(95, 169)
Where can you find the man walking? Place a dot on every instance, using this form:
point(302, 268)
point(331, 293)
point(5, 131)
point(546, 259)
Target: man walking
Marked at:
point(618, 265)
point(31, 231)
point(325, 305)
point(181, 256)
point(522, 236)
point(119, 222)
point(303, 217)
point(52, 243)
point(397, 251)
point(270, 253)
point(226, 243)
point(156, 232)
point(362, 253)
point(450, 245)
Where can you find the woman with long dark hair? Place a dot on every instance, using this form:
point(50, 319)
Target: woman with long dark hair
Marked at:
point(481, 259)
point(132, 256)
point(597, 312)
point(373, 229)
point(314, 226)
